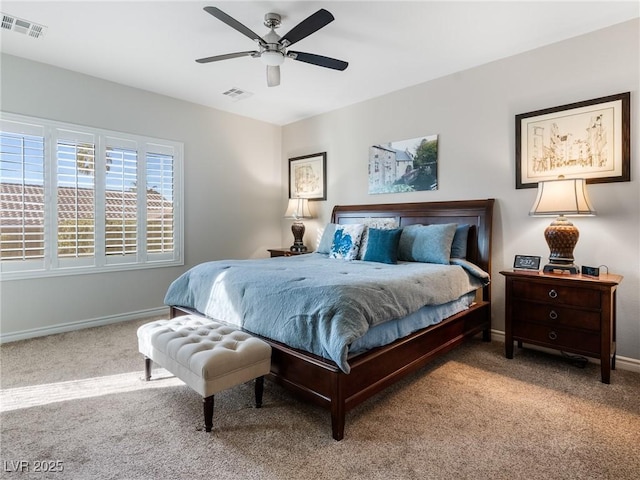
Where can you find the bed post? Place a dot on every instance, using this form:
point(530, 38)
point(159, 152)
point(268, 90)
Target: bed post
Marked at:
point(338, 410)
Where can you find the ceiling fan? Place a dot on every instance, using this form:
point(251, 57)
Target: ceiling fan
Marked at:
point(273, 48)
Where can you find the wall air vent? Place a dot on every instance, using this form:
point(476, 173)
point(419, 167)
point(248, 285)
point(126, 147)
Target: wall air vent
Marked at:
point(237, 94)
point(19, 25)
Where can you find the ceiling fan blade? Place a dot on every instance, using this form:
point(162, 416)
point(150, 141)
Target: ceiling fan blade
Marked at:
point(233, 23)
point(306, 27)
point(319, 60)
point(226, 56)
point(273, 76)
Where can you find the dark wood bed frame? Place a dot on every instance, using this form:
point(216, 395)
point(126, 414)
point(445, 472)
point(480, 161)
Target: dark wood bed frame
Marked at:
point(321, 381)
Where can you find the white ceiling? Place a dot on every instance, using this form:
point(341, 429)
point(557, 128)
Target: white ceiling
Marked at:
point(389, 45)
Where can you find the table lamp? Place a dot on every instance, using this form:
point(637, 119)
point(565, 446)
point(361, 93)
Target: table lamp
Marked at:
point(564, 196)
point(298, 209)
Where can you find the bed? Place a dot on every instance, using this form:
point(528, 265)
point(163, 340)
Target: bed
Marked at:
point(340, 381)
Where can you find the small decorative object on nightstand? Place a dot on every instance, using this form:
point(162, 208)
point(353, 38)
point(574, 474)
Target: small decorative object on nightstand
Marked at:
point(284, 252)
point(571, 313)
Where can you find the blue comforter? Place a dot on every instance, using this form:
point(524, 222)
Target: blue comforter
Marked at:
point(315, 303)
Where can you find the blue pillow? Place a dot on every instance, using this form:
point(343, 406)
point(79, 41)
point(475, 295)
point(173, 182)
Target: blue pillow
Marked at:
point(459, 244)
point(382, 245)
point(427, 243)
point(327, 238)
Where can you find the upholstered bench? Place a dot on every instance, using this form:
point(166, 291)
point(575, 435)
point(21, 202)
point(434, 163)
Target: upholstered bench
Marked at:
point(208, 356)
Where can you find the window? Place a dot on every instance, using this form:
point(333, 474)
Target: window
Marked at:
point(82, 200)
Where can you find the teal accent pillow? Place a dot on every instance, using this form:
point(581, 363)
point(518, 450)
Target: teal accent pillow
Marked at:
point(459, 244)
point(346, 241)
point(427, 243)
point(382, 245)
point(386, 223)
point(327, 238)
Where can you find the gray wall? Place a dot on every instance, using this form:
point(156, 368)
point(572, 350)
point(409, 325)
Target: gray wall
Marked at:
point(473, 114)
point(232, 175)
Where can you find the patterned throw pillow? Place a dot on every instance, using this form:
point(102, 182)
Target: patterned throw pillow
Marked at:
point(346, 241)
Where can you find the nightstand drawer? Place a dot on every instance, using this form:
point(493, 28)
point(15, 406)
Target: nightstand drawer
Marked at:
point(546, 292)
point(557, 337)
point(552, 315)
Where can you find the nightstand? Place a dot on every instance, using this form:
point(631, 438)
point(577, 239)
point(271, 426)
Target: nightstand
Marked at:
point(571, 313)
point(284, 252)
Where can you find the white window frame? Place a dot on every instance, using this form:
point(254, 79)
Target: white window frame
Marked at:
point(53, 266)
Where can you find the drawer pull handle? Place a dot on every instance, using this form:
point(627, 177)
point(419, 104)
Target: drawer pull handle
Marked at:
point(553, 293)
point(553, 335)
point(553, 315)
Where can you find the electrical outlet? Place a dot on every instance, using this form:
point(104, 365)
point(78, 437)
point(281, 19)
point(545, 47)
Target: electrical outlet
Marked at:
point(591, 271)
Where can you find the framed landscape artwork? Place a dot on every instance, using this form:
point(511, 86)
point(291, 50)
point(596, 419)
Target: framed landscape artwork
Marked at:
point(404, 165)
point(589, 140)
point(308, 177)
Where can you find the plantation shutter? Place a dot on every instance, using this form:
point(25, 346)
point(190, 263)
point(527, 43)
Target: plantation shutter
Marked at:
point(22, 177)
point(76, 195)
point(121, 199)
point(160, 204)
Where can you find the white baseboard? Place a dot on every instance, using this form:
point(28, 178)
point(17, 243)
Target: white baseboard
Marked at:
point(95, 322)
point(623, 363)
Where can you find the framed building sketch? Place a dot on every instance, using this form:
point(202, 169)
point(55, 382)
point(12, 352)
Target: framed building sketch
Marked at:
point(308, 177)
point(404, 165)
point(589, 140)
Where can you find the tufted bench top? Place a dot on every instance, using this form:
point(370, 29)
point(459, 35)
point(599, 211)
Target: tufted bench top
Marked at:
point(208, 355)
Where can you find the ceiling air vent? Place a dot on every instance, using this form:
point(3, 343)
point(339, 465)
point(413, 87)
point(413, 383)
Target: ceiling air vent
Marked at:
point(9, 22)
point(237, 94)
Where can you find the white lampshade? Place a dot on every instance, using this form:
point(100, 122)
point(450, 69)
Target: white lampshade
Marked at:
point(297, 208)
point(271, 58)
point(562, 197)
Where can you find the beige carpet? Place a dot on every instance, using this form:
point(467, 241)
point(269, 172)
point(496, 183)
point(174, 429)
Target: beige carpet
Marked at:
point(78, 398)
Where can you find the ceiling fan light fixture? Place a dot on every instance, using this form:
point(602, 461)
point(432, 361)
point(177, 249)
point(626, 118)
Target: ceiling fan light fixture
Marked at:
point(272, 59)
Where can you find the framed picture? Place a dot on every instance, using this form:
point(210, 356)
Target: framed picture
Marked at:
point(526, 262)
point(589, 140)
point(404, 165)
point(308, 177)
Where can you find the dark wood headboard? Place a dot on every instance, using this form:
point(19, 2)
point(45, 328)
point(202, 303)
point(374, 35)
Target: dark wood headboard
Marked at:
point(477, 213)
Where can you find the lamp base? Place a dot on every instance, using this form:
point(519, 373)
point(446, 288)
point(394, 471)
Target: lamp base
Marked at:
point(551, 268)
point(561, 236)
point(298, 232)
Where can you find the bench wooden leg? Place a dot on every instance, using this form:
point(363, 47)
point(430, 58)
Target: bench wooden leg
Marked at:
point(147, 368)
point(259, 390)
point(208, 412)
